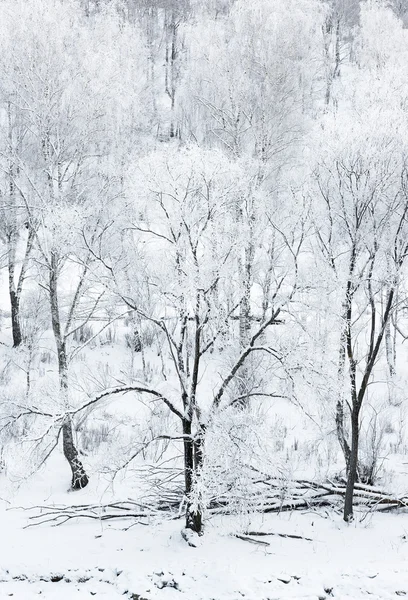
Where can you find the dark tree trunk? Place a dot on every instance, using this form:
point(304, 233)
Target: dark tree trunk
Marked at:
point(188, 456)
point(15, 318)
point(194, 519)
point(353, 466)
point(13, 291)
point(16, 290)
point(79, 477)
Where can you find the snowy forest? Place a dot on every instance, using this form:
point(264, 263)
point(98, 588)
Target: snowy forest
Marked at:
point(203, 299)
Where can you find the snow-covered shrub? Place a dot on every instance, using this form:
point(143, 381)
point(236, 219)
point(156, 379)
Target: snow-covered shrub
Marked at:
point(133, 341)
point(93, 434)
point(83, 334)
point(108, 337)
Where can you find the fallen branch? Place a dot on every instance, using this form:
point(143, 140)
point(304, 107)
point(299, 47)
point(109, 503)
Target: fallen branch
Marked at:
point(281, 495)
point(251, 540)
point(282, 535)
point(58, 514)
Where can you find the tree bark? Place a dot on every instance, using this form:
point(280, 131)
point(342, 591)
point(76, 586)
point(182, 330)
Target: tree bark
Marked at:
point(245, 266)
point(15, 318)
point(194, 519)
point(353, 464)
point(341, 434)
point(12, 239)
point(390, 351)
point(79, 477)
point(340, 428)
point(170, 73)
point(344, 340)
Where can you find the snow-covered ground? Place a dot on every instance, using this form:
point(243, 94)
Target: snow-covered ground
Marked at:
point(118, 559)
point(86, 559)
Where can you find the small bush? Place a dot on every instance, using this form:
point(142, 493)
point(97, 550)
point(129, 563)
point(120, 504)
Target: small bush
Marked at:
point(133, 340)
point(92, 436)
point(83, 334)
point(107, 337)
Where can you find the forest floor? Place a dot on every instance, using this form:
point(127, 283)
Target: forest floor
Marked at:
point(86, 559)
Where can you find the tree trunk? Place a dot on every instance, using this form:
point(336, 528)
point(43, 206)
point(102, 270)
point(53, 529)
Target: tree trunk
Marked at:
point(390, 352)
point(346, 349)
point(16, 290)
point(79, 477)
point(333, 28)
point(353, 464)
point(194, 520)
point(341, 434)
point(15, 318)
point(12, 238)
point(171, 67)
point(340, 427)
point(245, 266)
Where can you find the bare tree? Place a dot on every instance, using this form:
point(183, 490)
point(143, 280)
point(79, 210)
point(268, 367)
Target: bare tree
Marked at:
point(366, 212)
point(182, 242)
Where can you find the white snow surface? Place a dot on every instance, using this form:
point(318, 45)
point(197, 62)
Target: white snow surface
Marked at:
point(87, 559)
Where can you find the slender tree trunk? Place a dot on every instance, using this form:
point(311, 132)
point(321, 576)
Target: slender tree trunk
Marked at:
point(15, 318)
point(341, 435)
point(390, 351)
point(12, 239)
point(333, 28)
point(16, 290)
point(79, 477)
point(246, 268)
point(345, 348)
point(353, 466)
point(173, 75)
point(172, 16)
point(340, 417)
point(14, 294)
